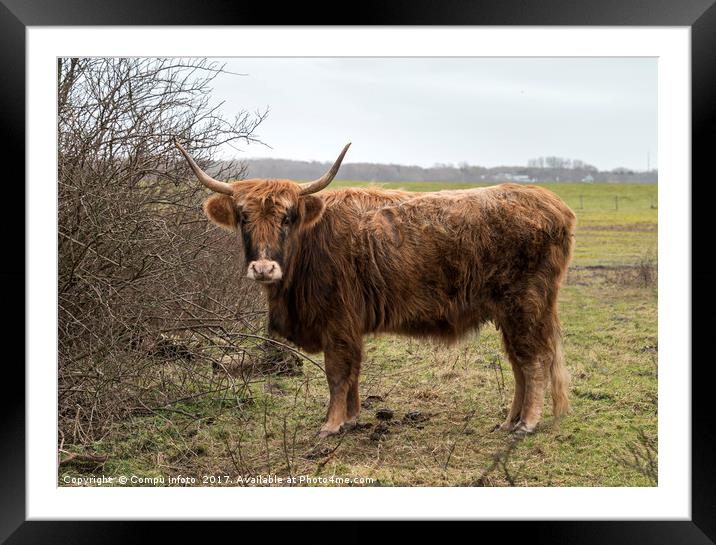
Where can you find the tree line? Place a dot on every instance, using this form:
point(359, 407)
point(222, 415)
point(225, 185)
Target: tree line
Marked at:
point(543, 169)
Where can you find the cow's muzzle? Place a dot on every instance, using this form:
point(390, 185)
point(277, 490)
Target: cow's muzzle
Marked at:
point(264, 271)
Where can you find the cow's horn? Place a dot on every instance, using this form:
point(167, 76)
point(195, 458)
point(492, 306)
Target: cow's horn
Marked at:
point(204, 178)
point(316, 185)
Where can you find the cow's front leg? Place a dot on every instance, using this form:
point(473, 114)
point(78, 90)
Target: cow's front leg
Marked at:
point(342, 365)
point(353, 406)
point(516, 410)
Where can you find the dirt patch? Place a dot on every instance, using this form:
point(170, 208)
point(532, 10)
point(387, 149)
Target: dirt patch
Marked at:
point(632, 227)
point(643, 274)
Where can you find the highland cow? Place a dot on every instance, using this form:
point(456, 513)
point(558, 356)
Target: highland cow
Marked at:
point(336, 266)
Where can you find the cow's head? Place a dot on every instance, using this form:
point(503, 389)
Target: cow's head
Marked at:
point(269, 214)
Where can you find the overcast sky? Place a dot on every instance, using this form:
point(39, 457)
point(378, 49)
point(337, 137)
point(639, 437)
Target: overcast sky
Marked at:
point(482, 111)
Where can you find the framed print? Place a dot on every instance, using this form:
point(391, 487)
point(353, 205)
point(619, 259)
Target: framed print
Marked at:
point(257, 258)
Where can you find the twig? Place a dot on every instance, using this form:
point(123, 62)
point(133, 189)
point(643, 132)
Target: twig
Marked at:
point(91, 458)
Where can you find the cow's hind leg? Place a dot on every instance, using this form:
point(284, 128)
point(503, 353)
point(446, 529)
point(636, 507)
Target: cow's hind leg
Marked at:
point(342, 363)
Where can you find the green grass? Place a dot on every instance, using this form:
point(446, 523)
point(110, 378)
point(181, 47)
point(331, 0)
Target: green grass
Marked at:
point(609, 315)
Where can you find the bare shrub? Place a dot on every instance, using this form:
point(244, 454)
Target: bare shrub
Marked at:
point(646, 272)
point(643, 274)
point(150, 302)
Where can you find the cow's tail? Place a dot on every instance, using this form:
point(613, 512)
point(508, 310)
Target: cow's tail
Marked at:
point(558, 373)
point(559, 377)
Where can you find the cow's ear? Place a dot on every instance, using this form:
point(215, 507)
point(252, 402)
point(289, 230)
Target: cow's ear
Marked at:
point(310, 210)
point(221, 210)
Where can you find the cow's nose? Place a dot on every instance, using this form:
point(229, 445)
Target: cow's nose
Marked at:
point(264, 270)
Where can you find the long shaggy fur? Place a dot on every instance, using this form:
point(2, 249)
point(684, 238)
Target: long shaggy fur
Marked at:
point(424, 264)
point(559, 379)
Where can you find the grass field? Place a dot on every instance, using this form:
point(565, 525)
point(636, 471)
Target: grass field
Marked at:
point(446, 400)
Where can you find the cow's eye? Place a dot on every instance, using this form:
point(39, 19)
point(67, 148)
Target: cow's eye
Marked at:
point(286, 220)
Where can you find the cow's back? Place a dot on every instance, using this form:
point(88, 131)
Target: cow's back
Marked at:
point(440, 263)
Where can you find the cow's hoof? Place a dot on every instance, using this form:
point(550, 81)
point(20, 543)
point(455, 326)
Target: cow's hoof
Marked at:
point(349, 425)
point(507, 425)
point(327, 431)
point(521, 428)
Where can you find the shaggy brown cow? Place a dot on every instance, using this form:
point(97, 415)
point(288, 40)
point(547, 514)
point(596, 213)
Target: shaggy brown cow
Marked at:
point(342, 264)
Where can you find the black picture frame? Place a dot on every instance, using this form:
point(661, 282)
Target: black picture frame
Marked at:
point(16, 15)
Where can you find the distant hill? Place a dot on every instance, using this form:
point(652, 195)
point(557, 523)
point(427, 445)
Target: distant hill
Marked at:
point(308, 170)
